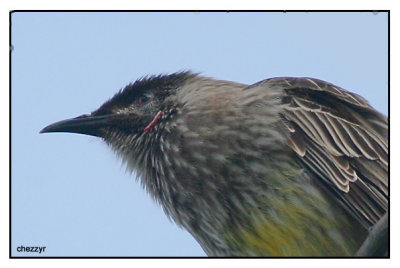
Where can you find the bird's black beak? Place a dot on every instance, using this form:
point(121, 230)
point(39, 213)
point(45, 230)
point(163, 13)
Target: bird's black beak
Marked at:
point(84, 124)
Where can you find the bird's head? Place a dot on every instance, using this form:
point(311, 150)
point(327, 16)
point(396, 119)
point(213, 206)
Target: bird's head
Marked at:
point(139, 109)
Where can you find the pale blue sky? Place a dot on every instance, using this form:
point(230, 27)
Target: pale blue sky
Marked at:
point(69, 192)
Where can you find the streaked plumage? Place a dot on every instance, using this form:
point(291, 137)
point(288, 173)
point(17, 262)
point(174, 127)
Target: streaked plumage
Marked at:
point(284, 167)
point(344, 140)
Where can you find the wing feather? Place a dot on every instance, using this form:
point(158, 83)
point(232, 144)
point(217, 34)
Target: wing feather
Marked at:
point(341, 139)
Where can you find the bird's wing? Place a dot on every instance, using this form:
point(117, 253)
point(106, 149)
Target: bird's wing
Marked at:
point(342, 139)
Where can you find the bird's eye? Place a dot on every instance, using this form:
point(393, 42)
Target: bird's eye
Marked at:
point(145, 98)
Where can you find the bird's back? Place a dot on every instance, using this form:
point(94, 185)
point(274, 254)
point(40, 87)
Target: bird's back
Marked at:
point(343, 140)
point(341, 143)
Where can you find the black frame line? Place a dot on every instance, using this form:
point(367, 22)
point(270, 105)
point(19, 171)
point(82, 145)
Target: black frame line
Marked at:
point(180, 11)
